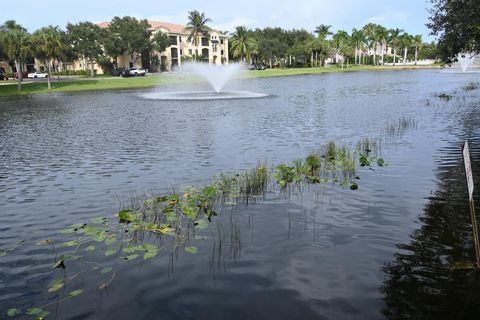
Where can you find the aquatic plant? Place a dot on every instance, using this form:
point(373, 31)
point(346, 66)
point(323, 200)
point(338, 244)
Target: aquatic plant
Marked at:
point(173, 221)
point(471, 86)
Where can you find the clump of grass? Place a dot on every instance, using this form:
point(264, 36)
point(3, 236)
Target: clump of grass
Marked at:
point(471, 86)
point(444, 96)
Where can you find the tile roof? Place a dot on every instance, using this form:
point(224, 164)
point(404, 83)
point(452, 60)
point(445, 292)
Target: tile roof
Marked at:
point(170, 27)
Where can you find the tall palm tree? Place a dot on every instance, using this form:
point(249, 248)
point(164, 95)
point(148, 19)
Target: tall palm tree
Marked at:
point(323, 31)
point(242, 44)
point(17, 44)
point(370, 34)
point(340, 39)
point(48, 46)
point(394, 39)
point(417, 42)
point(197, 26)
point(406, 41)
point(358, 39)
point(11, 25)
point(381, 34)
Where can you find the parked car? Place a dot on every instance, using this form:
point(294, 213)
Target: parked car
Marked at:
point(118, 72)
point(24, 74)
point(257, 66)
point(134, 72)
point(37, 74)
point(3, 77)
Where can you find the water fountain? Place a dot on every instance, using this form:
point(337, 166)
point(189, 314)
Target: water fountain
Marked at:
point(465, 63)
point(217, 77)
point(466, 59)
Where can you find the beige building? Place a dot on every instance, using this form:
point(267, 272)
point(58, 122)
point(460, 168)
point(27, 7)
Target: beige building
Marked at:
point(212, 49)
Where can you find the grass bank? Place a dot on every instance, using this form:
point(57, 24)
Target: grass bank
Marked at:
point(87, 84)
point(331, 69)
point(101, 83)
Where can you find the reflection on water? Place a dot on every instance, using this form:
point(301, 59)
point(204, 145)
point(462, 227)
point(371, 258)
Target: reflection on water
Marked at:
point(433, 276)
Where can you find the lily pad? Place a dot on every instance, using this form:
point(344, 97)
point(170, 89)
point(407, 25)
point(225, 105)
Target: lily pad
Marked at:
point(55, 286)
point(34, 311)
point(44, 242)
point(76, 293)
point(131, 257)
point(90, 249)
point(110, 252)
point(192, 250)
point(70, 243)
point(106, 270)
point(13, 312)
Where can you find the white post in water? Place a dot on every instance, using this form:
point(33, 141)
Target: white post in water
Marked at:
point(469, 175)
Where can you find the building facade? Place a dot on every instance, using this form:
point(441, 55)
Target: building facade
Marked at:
point(212, 49)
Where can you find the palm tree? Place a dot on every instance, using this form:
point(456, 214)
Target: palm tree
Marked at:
point(381, 34)
point(17, 48)
point(358, 39)
point(197, 26)
point(242, 44)
point(48, 46)
point(323, 31)
point(394, 39)
point(417, 42)
point(340, 39)
point(406, 41)
point(371, 36)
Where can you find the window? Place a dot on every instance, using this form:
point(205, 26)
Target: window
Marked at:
point(221, 41)
point(190, 52)
point(205, 42)
point(173, 40)
point(180, 39)
point(221, 53)
point(181, 52)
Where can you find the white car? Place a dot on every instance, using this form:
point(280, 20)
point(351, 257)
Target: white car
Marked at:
point(134, 72)
point(37, 74)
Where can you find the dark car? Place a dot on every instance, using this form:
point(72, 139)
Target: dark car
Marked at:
point(24, 74)
point(118, 72)
point(257, 66)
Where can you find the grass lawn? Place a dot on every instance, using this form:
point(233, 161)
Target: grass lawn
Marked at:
point(102, 83)
point(331, 69)
point(89, 85)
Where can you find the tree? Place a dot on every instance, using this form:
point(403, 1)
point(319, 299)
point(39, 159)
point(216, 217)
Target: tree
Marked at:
point(242, 43)
point(17, 46)
point(370, 31)
point(85, 38)
point(47, 43)
point(406, 41)
point(456, 23)
point(197, 27)
point(394, 38)
point(323, 31)
point(127, 35)
point(339, 40)
point(381, 35)
point(417, 42)
point(358, 38)
point(160, 41)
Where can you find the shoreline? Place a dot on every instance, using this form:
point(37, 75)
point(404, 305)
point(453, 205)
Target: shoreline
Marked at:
point(160, 80)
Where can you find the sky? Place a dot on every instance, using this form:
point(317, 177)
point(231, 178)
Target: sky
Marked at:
point(410, 15)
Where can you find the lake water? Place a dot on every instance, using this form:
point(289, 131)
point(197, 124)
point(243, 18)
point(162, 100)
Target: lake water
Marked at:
point(387, 250)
